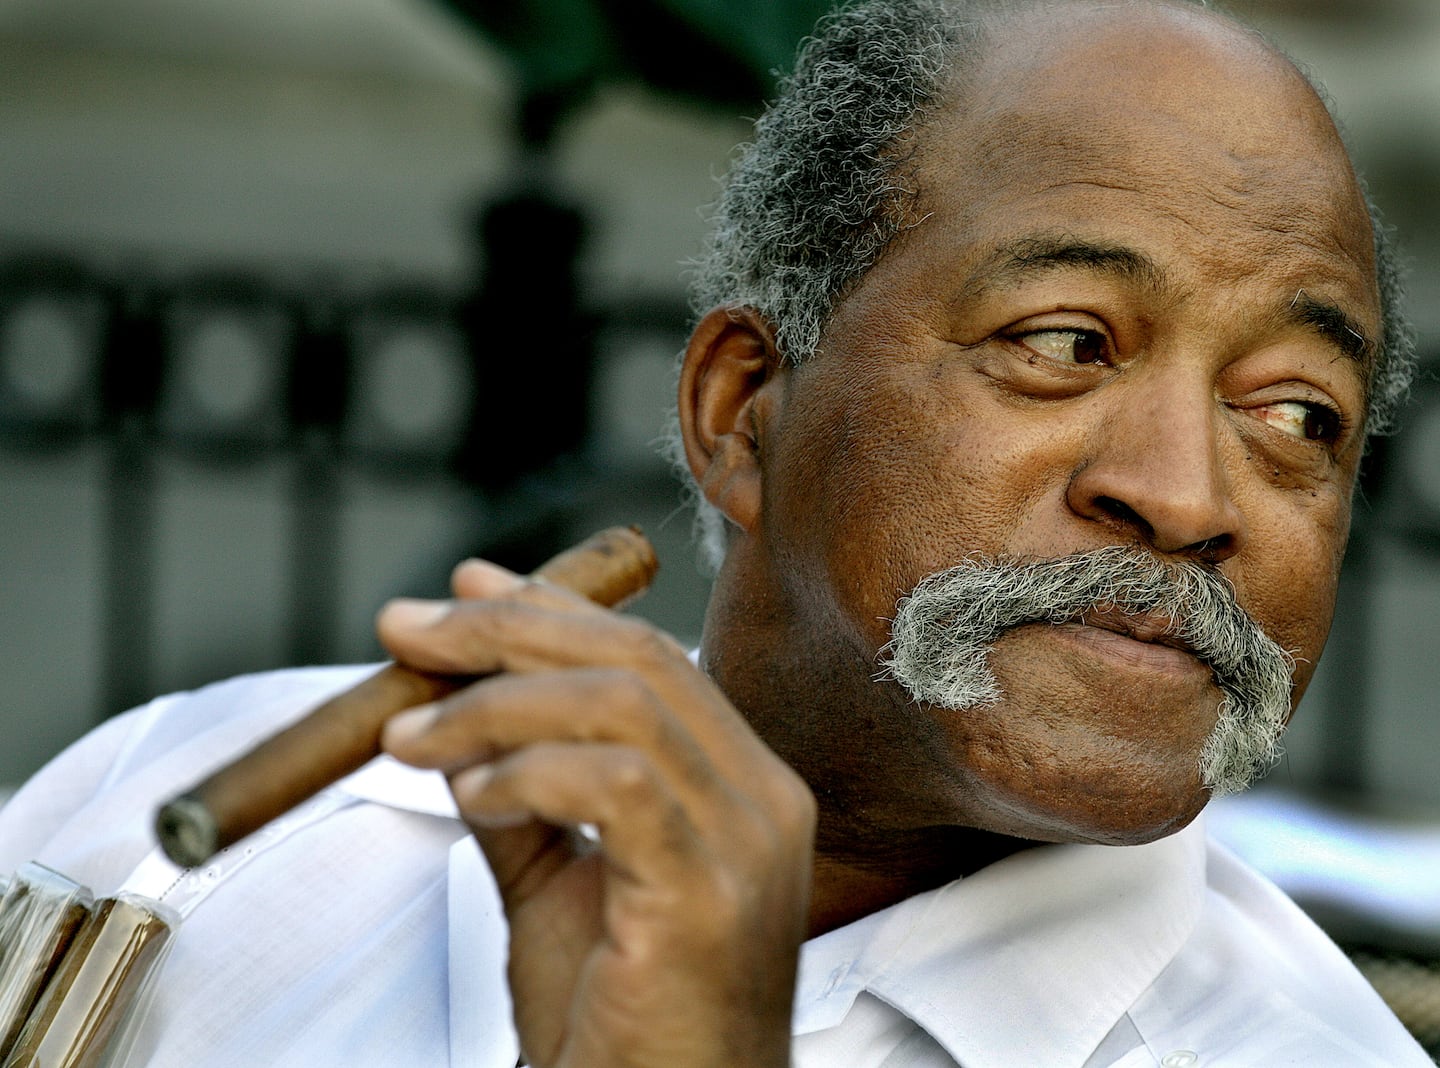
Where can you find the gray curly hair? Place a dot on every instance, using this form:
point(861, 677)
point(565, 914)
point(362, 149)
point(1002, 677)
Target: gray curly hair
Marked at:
point(811, 203)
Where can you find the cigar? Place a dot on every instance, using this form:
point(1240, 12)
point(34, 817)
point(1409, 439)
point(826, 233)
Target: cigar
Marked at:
point(343, 734)
point(87, 1004)
point(40, 915)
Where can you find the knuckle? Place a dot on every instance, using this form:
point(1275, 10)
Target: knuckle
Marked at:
point(792, 809)
point(631, 708)
point(632, 779)
point(675, 831)
point(728, 901)
point(466, 637)
point(628, 689)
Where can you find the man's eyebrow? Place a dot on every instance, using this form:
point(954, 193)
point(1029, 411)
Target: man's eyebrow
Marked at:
point(1333, 324)
point(1017, 261)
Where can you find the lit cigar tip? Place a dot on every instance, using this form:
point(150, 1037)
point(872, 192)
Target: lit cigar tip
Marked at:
point(187, 831)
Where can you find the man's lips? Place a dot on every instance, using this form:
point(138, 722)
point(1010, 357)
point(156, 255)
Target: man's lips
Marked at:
point(1152, 627)
point(1133, 640)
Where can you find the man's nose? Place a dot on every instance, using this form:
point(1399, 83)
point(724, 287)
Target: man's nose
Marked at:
point(1156, 470)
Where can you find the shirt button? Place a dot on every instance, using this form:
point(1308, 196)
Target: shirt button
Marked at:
point(1180, 1058)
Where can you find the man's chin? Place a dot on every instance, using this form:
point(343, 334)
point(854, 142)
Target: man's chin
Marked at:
point(1103, 809)
point(1138, 832)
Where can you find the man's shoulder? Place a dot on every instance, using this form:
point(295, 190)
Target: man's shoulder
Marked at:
point(157, 749)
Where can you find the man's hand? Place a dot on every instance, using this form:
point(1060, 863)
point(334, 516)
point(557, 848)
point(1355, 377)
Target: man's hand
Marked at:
point(671, 941)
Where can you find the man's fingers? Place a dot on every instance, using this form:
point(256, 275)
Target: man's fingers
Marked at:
point(643, 828)
point(478, 579)
point(665, 707)
point(506, 712)
point(527, 635)
point(535, 628)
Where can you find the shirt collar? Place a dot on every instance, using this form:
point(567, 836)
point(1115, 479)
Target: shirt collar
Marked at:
point(386, 781)
point(1031, 960)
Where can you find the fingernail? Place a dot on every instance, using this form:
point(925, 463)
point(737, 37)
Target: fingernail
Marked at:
point(409, 614)
point(409, 726)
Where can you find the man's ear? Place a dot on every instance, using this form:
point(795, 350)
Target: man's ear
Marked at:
point(724, 408)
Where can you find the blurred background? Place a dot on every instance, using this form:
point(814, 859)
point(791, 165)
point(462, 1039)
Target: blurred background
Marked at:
point(302, 301)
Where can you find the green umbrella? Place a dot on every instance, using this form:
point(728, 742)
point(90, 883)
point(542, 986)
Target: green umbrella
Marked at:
point(723, 53)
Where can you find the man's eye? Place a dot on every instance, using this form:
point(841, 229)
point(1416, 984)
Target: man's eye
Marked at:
point(1067, 346)
point(1302, 419)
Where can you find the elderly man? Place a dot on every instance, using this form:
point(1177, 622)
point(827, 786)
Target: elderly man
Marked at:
point(1045, 339)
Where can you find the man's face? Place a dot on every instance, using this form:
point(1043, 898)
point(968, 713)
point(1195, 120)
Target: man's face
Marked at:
point(1136, 308)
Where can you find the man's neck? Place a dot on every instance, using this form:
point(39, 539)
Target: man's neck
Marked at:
point(850, 883)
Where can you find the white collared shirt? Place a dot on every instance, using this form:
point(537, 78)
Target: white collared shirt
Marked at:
point(1171, 954)
point(365, 930)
